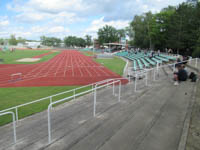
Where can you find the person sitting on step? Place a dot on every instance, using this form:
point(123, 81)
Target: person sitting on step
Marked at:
point(181, 75)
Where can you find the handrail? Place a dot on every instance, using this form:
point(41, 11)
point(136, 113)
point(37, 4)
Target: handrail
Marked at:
point(67, 98)
point(14, 125)
point(95, 89)
point(48, 97)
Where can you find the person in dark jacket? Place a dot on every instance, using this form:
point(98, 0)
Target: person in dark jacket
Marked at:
point(181, 75)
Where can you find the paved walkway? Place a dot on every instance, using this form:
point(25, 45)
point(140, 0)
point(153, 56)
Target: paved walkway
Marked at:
point(150, 119)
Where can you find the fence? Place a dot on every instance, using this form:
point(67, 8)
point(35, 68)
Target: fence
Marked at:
point(14, 125)
point(74, 91)
point(104, 83)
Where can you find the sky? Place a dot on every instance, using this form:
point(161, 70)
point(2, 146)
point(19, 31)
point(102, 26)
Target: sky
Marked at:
point(60, 18)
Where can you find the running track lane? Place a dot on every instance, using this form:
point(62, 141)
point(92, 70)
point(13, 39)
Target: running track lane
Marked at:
point(68, 68)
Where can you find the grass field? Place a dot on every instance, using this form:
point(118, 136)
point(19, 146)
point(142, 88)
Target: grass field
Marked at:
point(10, 58)
point(87, 53)
point(116, 64)
point(15, 96)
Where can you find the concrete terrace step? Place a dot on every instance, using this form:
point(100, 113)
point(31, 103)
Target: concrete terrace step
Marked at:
point(149, 119)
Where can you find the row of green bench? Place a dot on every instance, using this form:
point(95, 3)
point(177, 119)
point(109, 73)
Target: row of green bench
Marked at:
point(143, 60)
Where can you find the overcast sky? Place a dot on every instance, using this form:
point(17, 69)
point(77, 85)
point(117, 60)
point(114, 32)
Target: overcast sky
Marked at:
point(60, 18)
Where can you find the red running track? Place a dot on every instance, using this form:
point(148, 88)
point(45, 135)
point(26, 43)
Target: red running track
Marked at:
point(42, 55)
point(68, 68)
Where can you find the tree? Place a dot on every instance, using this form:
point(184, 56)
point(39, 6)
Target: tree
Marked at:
point(196, 52)
point(159, 27)
point(1, 41)
point(182, 28)
point(88, 40)
point(12, 40)
point(50, 41)
point(173, 27)
point(72, 41)
point(21, 40)
point(107, 34)
point(141, 32)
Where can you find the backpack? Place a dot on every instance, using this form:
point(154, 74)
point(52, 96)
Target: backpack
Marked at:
point(193, 77)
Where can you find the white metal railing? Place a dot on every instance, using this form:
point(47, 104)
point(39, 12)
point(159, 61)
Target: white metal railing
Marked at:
point(137, 74)
point(107, 84)
point(48, 97)
point(103, 83)
point(14, 125)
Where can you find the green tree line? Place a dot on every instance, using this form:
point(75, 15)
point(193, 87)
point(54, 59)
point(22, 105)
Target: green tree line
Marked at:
point(177, 28)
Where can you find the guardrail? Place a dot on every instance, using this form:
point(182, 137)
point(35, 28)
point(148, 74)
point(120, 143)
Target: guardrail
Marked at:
point(49, 97)
point(107, 84)
point(144, 72)
point(103, 83)
point(14, 125)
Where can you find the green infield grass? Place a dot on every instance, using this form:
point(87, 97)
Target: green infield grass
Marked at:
point(115, 64)
point(11, 57)
point(11, 97)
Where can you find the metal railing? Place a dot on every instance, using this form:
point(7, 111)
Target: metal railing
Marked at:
point(14, 125)
point(50, 98)
point(107, 84)
point(104, 83)
point(144, 72)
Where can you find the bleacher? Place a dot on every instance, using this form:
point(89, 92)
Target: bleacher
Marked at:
point(142, 60)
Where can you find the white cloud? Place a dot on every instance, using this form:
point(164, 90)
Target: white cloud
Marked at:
point(4, 22)
point(58, 29)
point(99, 23)
point(54, 17)
point(55, 6)
point(29, 17)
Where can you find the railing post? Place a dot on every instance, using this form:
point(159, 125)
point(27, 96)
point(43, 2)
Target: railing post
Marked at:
point(14, 128)
point(93, 88)
point(49, 125)
point(74, 94)
point(174, 67)
point(50, 99)
point(189, 60)
point(135, 82)
point(146, 78)
point(154, 74)
point(157, 66)
point(196, 62)
point(14, 123)
point(119, 91)
point(113, 88)
point(94, 109)
point(16, 113)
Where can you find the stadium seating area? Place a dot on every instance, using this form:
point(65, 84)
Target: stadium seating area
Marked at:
point(142, 60)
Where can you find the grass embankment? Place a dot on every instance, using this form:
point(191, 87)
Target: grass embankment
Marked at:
point(193, 141)
point(115, 64)
point(11, 57)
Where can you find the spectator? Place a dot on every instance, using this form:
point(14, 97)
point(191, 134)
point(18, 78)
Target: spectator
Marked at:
point(181, 75)
point(158, 52)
